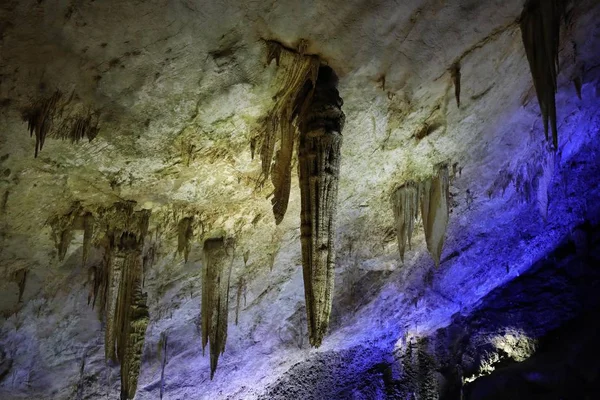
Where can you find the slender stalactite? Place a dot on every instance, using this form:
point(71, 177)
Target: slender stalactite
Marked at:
point(405, 203)
point(319, 166)
point(455, 74)
point(295, 82)
point(133, 317)
point(21, 278)
point(434, 199)
point(540, 29)
point(215, 298)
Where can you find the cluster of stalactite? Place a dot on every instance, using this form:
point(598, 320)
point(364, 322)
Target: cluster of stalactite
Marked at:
point(58, 116)
point(307, 105)
point(296, 77)
point(117, 287)
point(432, 198)
point(215, 298)
point(540, 29)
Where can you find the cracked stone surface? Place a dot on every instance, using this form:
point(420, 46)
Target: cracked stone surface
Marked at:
point(181, 88)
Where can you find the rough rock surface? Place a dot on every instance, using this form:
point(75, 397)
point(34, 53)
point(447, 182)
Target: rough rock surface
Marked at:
point(180, 88)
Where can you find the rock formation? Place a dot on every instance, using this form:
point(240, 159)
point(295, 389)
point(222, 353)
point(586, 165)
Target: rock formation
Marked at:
point(296, 80)
point(319, 168)
point(216, 277)
point(432, 198)
point(540, 29)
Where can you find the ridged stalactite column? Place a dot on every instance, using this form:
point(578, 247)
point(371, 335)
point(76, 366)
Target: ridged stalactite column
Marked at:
point(216, 277)
point(319, 168)
point(132, 315)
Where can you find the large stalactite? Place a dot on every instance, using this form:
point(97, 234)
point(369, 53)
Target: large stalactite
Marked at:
point(215, 298)
point(132, 315)
point(295, 82)
point(118, 287)
point(540, 29)
point(118, 280)
point(319, 166)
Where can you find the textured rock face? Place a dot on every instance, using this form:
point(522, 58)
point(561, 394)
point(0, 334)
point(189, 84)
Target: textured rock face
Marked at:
point(163, 107)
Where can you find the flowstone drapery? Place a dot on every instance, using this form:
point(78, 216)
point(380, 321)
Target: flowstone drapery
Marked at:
point(432, 198)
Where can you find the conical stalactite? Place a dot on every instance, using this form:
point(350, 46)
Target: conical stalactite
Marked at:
point(405, 204)
point(296, 78)
point(455, 74)
point(132, 321)
point(20, 277)
point(540, 29)
point(185, 232)
point(319, 166)
point(434, 199)
point(215, 298)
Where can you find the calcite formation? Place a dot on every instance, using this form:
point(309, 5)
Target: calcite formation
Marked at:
point(432, 198)
point(319, 168)
point(295, 83)
point(117, 282)
point(216, 277)
point(435, 209)
point(405, 204)
point(59, 116)
point(540, 29)
point(455, 75)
